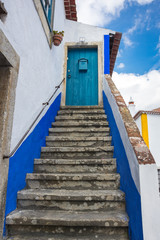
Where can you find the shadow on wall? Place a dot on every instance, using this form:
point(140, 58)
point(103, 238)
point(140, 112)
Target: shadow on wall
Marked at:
point(23, 160)
point(127, 185)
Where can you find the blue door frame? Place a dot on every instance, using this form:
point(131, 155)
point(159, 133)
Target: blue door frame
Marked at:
point(82, 77)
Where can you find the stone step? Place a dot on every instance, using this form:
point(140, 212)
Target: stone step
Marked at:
point(107, 161)
point(75, 166)
point(82, 124)
point(72, 200)
point(73, 181)
point(35, 232)
point(67, 218)
point(81, 107)
point(77, 152)
point(63, 223)
point(80, 117)
point(82, 132)
point(82, 111)
point(68, 141)
point(64, 237)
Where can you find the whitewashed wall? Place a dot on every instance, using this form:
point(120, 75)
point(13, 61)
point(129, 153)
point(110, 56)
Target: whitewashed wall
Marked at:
point(150, 200)
point(138, 122)
point(74, 31)
point(154, 133)
point(40, 67)
point(145, 177)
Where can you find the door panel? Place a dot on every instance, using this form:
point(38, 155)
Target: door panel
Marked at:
point(82, 85)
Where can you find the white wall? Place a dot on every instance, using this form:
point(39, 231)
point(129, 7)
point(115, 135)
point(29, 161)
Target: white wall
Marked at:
point(154, 135)
point(75, 30)
point(132, 159)
point(40, 67)
point(150, 201)
point(144, 176)
point(132, 109)
point(138, 122)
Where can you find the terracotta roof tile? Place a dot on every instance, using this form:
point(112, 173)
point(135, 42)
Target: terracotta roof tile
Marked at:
point(153, 112)
point(70, 9)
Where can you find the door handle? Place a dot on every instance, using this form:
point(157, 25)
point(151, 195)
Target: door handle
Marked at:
point(69, 76)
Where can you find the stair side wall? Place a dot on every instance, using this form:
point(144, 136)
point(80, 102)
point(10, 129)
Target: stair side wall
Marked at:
point(136, 165)
point(127, 184)
point(22, 161)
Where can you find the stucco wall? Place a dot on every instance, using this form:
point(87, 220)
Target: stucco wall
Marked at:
point(40, 67)
point(75, 30)
point(138, 122)
point(145, 172)
point(150, 201)
point(154, 133)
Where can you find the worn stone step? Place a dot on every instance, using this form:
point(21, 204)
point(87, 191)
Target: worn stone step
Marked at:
point(75, 165)
point(80, 117)
point(72, 166)
point(68, 218)
point(77, 152)
point(107, 161)
point(67, 223)
point(64, 237)
point(81, 123)
point(81, 111)
point(72, 200)
point(70, 141)
point(35, 232)
point(73, 181)
point(82, 132)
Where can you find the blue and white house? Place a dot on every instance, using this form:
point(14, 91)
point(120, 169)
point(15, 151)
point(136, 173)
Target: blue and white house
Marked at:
point(31, 68)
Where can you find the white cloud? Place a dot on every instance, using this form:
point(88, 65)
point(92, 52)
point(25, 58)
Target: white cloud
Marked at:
point(158, 25)
point(144, 89)
point(127, 41)
point(143, 2)
point(121, 65)
point(98, 12)
point(135, 26)
point(126, 36)
point(158, 46)
point(101, 12)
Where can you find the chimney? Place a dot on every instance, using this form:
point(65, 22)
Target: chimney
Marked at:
point(131, 107)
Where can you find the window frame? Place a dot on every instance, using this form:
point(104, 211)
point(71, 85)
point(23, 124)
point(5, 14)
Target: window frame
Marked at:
point(46, 15)
point(48, 27)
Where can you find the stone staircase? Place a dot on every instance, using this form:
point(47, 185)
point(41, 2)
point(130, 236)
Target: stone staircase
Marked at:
point(73, 193)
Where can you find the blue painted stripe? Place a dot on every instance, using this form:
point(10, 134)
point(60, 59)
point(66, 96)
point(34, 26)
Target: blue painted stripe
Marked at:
point(23, 160)
point(106, 55)
point(133, 199)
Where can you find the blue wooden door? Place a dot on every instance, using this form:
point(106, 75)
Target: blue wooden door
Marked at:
point(82, 77)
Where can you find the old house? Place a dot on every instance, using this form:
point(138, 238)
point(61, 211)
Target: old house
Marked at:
point(66, 170)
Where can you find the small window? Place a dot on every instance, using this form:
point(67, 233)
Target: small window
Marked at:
point(45, 10)
point(47, 7)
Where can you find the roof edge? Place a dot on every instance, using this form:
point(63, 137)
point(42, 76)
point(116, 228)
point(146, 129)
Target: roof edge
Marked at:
point(114, 46)
point(145, 112)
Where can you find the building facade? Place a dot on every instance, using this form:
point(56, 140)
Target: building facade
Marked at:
point(37, 78)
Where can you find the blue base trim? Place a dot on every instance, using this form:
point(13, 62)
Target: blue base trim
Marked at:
point(133, 200)
point(106, 55)
point(23, 160)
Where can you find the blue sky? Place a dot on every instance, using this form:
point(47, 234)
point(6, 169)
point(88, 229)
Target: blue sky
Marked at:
point(140, 25)
point(137, 69)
